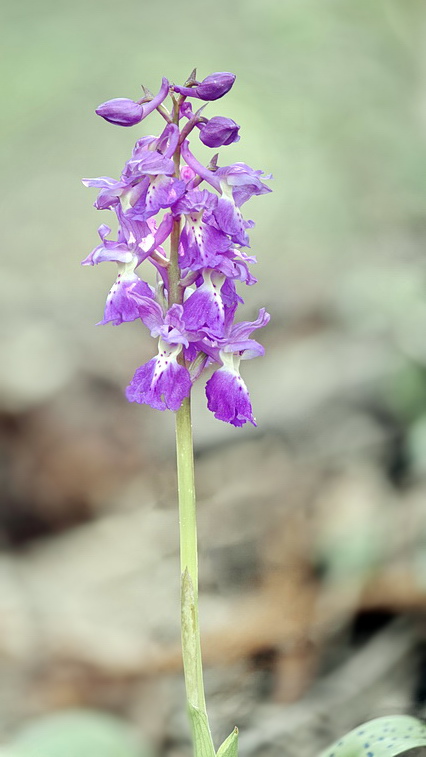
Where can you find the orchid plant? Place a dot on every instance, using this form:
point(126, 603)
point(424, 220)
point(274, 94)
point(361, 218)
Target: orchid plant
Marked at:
point(165, 193)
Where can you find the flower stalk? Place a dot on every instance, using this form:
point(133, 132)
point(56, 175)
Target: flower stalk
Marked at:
point(191, 311)
point(191, 642)
point(188, 539)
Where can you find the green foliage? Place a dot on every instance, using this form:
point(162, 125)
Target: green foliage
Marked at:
point(76, 733)
point(229, 748)
point(382, 737)
point(203, 745)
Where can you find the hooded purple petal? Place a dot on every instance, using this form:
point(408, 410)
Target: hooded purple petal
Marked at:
point(124, 112)
point(244, 181)
point(229, 219)
point(195, 201)
point(121, 111)
point(211, 88)
point(219, 131)
point(159, 192)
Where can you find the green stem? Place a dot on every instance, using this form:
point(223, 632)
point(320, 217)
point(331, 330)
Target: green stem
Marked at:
point(189, 558)
point(191, 644)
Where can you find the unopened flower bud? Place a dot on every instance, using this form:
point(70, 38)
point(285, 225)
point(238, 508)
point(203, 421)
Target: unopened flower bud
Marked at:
point(211, 88)
point(121, 111)
point(219, 131)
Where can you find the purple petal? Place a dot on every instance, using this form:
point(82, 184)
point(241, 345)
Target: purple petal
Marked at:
point(149, 311)
point(174, 329)
point(148, 164)
point(162, 383)
point(245, 181)
point(110, 191)
point(120, 306)
point(229, 219)
point(211, 88)
point(163, 192)
point(194, 201)
point(247, 348)
point(160, 192)
point(219, 131)
point(228, 398)
point(121, 111)
point(243, 329)
point(109, 250)
point(201, 245)
point(158, 99)
point(101, 182)
point(198, 167)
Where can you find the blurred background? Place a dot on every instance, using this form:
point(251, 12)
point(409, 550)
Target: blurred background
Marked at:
point(312, 526)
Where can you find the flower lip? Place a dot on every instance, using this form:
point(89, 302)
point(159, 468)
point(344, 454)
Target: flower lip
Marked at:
point(162, 382)
point(228, 397)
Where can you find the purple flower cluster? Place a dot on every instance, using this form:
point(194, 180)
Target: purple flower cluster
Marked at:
point(191, 311)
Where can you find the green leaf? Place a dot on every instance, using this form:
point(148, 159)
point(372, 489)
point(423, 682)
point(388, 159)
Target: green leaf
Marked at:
point(229, 748)
point(203, 744)
point(75, 733)
point(189, 639)
point(382, 737)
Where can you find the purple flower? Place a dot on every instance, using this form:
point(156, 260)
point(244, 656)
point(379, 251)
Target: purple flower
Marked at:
point(161, 383)
point(219, 131)
point(109, 249)
point(185, 110)
point(244, 181)
point(241, 180)
point(124, 112)
point(146, 182)
point(192, 309)
point(128, 252)
point(211, 88)
point(120, 307)
point(227, 394)
point(155, 193)
point(236, 338)
point(201, 244)
point(169, 326)
point(135, 242)
point(229, 219)
point(152, 155)
point(110, 193)
point(121, 111)
point(237, 183)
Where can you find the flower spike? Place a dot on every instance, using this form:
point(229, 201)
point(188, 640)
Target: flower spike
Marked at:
point(192, 310)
